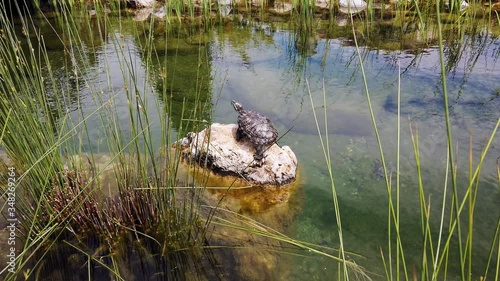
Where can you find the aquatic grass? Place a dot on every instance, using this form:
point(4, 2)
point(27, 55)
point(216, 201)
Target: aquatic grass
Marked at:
point(35, 155)
point(248, 225)
point(428, 246)
point(432, 261)
point(450, 143)
point(424, 206)
point(326, 152)
point(65, 199)
point(19, 70)
point(6, 121)
point(393, 208)
point(469, 197)
point(490, 256)
point(182, 208)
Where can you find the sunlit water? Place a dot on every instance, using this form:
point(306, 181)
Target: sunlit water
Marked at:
point(260, 66)
point(266, 73)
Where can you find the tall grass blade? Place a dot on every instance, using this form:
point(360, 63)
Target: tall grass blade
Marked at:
point(326, 153)
point(391, 209)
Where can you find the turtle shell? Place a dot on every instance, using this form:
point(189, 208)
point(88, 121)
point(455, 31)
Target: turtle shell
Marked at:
point(257, 128)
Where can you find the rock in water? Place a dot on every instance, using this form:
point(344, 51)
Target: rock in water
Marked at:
point(352, 6)
point(141, 3)
point(217, 148)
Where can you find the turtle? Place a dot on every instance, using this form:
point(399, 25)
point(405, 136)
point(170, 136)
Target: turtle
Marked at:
point(256, 128)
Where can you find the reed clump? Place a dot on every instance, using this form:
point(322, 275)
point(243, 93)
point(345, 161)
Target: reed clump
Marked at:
point(110, 217)
point(58, 199)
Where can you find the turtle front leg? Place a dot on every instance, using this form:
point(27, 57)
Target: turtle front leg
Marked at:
point(259, 155)
point(239, 134)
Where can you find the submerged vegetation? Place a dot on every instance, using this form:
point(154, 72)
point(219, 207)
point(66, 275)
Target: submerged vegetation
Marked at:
point(133, 213)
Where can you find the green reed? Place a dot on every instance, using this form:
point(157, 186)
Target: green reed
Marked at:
point(393, 206)
point(59, 184)
point(343, 272)
point(28, 139)
point(435, 253)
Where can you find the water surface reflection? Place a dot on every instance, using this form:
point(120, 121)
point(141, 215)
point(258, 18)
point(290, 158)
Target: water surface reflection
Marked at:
point(271, 77)
point(271, 68)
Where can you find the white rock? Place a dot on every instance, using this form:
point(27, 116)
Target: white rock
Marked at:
point(352, 6)
point(225, 10)
point(463, 5)
point(142, 3)
point(143, 14)
point(217, 147)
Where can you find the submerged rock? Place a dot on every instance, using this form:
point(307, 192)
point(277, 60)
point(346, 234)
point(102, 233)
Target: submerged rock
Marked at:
point(217, 148)
point(378, 169)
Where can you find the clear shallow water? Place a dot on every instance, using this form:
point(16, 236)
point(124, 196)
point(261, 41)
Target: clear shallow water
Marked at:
point(259, 65)
point(271, 77)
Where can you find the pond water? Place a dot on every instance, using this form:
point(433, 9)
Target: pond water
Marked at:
point(261, 67)
point(271, 68)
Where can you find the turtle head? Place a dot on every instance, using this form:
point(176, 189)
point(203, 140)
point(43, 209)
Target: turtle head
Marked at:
point(237, 106)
